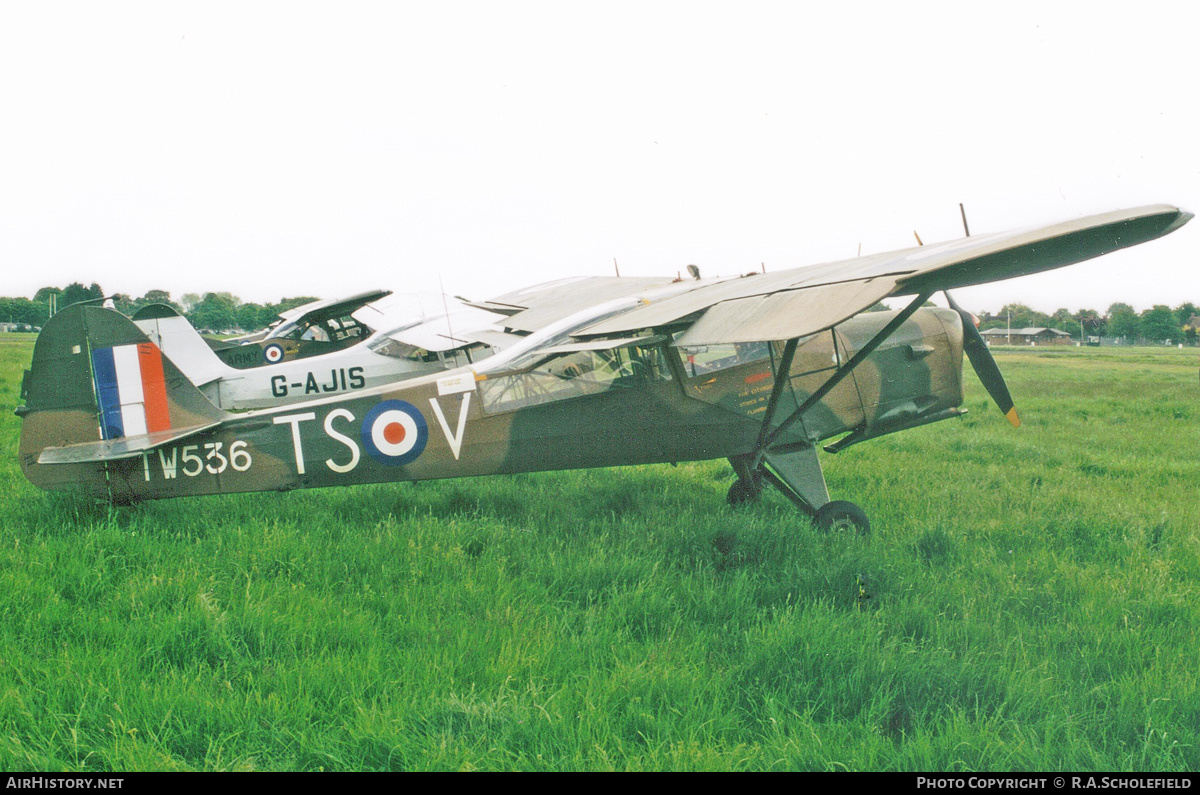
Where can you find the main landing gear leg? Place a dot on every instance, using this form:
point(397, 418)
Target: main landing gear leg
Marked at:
point(794, 468)
point(748, 486)
point(796, 472)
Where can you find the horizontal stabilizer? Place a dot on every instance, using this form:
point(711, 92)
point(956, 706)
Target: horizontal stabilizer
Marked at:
point(117, 449)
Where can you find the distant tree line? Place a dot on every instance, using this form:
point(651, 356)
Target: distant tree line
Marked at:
point(210, 311)
point(1157, 324)
point(226, 312)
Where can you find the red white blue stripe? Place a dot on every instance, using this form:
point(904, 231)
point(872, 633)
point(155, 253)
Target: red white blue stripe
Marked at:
point(131, 390)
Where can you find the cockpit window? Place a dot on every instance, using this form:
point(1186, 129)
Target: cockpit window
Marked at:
point(551, 365)
point(338, 331)
point(703, 359)
point(532, 348)
point(396, 349)
point(451, 359)
point(574, 374)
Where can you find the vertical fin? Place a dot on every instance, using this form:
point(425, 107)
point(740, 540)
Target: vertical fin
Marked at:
point(95, 376)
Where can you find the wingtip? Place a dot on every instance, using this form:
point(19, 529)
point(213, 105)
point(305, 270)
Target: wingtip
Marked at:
point(1012, 417)
point(1181, 217)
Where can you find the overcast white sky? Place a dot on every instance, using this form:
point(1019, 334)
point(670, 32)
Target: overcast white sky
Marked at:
point(274, 149)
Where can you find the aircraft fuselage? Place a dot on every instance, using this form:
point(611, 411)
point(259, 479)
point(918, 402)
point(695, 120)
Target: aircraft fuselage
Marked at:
point(674, 405)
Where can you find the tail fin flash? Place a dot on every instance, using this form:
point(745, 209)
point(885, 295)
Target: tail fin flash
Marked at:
point(131, 390)
point(98, 389)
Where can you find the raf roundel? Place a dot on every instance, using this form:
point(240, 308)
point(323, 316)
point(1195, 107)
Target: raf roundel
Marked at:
point(273, 353)
point(394, 432)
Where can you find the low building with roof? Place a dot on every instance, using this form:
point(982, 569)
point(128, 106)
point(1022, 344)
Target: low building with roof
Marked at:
point(1028, 336)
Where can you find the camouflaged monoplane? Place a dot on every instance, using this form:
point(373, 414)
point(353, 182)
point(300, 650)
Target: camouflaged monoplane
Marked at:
point(758, 370)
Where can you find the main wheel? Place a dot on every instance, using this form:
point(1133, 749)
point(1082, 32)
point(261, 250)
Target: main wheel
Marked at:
point(742, 492)
point(841, 515)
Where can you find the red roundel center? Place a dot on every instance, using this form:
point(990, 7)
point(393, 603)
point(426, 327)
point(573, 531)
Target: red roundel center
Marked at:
point(394, 433)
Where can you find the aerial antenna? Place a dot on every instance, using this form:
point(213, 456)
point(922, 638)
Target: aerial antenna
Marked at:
point(963, 213)
point(450, 331)
point(918, 237)
point(693, 271)
point(859, 250)
point(764, 266)
point(618, 270)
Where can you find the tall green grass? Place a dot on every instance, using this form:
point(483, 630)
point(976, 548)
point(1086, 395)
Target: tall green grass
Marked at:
point(1028, 599)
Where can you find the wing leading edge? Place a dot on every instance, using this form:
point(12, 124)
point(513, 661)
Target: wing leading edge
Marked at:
point(802, 301)
point(534, 308)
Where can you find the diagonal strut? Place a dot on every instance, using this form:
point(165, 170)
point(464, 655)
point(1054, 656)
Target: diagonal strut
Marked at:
point(766, 439)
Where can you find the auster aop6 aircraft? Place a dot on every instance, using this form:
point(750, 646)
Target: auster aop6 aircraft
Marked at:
point(757, 370)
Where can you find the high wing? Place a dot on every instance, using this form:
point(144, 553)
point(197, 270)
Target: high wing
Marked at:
point(319, 310)
point(533, 308)
point(459, 327)
point(795, 303)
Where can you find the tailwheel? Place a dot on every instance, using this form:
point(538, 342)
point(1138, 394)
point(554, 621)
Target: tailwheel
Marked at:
point(841, 515)
point(743, 492)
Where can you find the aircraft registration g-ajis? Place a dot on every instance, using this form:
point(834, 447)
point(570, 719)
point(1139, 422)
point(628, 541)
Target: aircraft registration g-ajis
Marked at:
point(757, 370)
point(326, 347)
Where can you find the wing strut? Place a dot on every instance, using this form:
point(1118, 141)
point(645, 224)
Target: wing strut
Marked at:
point(767, 437)
point(784, 366)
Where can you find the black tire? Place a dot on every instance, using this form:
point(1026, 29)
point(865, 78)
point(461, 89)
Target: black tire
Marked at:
point(742, 492)
point(841, 515)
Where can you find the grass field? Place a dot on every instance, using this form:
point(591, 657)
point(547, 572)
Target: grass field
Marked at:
point(1028, 599)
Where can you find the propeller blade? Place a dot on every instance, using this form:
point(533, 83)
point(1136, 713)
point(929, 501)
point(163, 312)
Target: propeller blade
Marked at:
point(985, 366)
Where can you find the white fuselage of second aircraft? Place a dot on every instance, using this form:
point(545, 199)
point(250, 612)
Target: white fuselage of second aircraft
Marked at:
point(408, 349)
